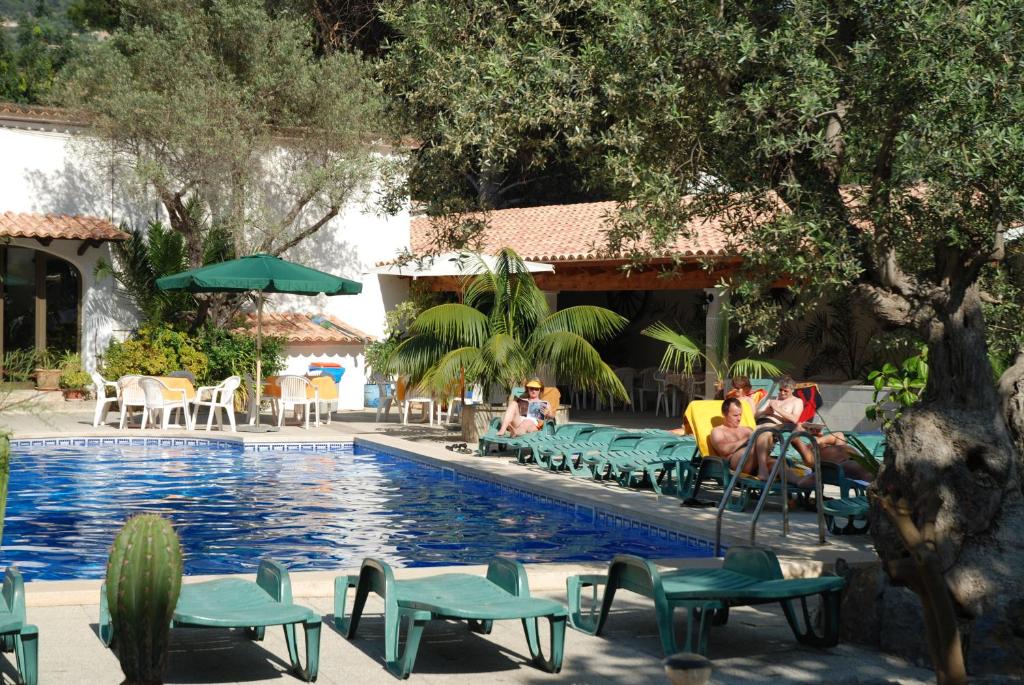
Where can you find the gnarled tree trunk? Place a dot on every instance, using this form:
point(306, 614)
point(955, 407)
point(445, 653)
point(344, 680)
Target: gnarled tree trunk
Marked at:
point(957, 463)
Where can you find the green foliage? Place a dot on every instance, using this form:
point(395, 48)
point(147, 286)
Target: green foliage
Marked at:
point(95, 15)
point(212, 354)
point(495, 94)
point(862, 455)
point(19, 365)
point(897, 388)
point(72, 375)
point(139, 261)
point(224, 104)
point(29, 67)
point(378, 353)
point(683, 354)
point(234, 354)
point(155, 351)
point(143, 582)
point(840, 337)
point(504, 333)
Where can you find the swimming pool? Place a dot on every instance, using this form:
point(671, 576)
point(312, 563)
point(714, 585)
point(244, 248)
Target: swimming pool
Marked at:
point(308, 508)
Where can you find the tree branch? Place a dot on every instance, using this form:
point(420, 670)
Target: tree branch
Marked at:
point(305, 233)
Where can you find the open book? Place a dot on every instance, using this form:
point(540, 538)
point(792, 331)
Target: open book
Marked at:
point(537, 409)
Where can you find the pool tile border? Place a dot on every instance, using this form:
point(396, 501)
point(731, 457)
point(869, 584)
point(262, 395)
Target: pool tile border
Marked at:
point(591, 512)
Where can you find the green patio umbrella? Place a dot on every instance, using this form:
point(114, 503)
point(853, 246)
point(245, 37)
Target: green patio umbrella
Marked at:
point(259, 273)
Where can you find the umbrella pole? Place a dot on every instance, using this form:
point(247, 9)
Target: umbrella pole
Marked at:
point(259, 353)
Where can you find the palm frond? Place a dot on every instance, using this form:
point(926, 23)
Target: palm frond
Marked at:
point(569, 355)
point(682, 353)
point(414, 357)
point(453, 324)
point(758, 368)
point(595, 324)
point(505, 359)
point(443, 378)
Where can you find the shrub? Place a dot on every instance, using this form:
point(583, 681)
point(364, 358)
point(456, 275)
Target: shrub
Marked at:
point(211, 355)
point(234, 354)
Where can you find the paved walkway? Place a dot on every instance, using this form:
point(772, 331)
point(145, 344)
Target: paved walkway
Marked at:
point(755, 647)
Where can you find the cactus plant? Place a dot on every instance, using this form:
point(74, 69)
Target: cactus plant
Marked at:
point(143, 582)
point(5, 477)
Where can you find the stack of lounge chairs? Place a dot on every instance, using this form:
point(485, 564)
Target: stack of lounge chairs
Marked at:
point(671, 464)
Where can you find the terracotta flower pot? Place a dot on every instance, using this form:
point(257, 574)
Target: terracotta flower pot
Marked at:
point(47, 379)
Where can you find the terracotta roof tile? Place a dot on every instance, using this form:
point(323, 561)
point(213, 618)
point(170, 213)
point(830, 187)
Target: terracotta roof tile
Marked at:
point(573, 232)
point(36, 113)
point(312, 330)
point(57, 226)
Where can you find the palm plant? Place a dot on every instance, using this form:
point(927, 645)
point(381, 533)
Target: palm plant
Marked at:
point(683, 355)
point(503, 333)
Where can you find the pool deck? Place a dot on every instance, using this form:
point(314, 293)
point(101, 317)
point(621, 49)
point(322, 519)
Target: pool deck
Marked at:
point(754, 647)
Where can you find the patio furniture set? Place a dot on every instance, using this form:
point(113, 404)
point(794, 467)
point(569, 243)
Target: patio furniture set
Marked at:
point(159, 397)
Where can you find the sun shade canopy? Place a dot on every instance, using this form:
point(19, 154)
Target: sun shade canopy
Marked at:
point(259, 272)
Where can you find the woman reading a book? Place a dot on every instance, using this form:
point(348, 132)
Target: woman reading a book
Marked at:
point(526, 414)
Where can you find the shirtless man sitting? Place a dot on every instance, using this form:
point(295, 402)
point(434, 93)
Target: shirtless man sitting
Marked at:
point(729, 441)
point(832, 448)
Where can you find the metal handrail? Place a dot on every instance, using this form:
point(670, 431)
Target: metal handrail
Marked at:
point(777, 432)
point(780, 465)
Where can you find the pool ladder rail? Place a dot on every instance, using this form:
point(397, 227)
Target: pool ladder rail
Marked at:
point(778, 469)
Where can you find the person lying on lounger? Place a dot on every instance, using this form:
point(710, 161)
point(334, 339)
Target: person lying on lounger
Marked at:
point(729, 441)
point(786, 409)
point(526, 414)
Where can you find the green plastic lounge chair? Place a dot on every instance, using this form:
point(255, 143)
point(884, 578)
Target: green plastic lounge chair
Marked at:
point(239, 603)
point(491, 438)
point(749, 575)
point(624, 451)
point(15, 634)
point(848, 514)
point(655, 469)
point(567, 455)
point(524, 446)
point(503, 594)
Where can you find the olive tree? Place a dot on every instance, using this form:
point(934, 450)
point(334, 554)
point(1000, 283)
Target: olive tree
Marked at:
point(872, 147)
point(230, 117)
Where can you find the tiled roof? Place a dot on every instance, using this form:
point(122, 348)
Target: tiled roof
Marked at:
point(57, 226)
point(570, 233)
point(311, 330)
point(35, 113)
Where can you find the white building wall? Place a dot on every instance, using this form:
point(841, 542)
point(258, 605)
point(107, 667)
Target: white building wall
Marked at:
point(350, 357)
point(45, 170)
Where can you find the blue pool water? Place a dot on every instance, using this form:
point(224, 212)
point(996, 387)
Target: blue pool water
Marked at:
point(307, 509)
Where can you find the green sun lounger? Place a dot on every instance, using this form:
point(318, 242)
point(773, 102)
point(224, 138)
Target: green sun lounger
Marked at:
point(847, 515)
point(749, 575)
point(239, 603)
point(503, 594)
point(524, 446)
point(504, 443)
point(15, 634)
point(657, 469)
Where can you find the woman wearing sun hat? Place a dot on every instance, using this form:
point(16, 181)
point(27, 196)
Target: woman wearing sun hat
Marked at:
point(526, 414)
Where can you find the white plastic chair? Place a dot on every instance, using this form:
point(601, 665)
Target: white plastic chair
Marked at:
point(455, 404)
point(417, 396)
point(217, 397)
point(102, 401)
point(129, 396)
point(295, 394)
point(330, 406)
point(156, 401)
point(653, 381)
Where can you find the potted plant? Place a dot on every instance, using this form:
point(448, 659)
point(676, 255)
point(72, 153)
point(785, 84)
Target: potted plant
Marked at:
point(48, 371)
point(73, 381)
